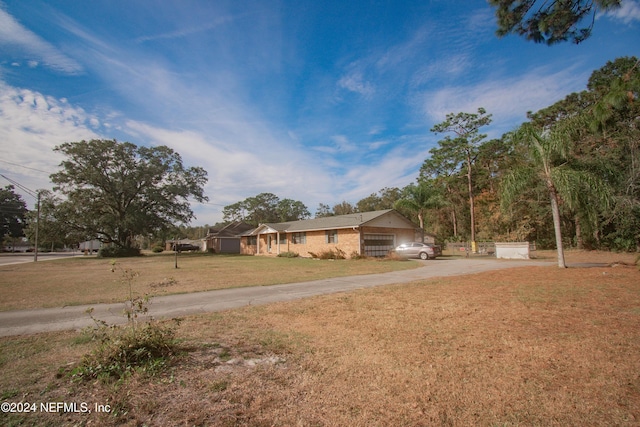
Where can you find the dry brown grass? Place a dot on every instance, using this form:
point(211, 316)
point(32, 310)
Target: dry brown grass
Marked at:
point(525, 346)
point(90, 280)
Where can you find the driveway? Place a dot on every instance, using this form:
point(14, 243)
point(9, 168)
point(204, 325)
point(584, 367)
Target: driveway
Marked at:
point(75, 317)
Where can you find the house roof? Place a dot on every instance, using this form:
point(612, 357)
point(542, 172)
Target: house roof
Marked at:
point(325, 223)
point(234, 229)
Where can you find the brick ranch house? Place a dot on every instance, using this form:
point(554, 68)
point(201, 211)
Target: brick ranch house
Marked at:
point(367, 233)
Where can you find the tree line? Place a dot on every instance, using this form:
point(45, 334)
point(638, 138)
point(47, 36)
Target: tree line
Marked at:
point(570, 174)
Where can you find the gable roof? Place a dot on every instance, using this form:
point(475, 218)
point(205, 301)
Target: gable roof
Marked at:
point(325, 223)
point(234, 229)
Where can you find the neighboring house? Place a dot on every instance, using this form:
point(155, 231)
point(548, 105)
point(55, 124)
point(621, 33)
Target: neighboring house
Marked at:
point(367, 233)
point(227, 239)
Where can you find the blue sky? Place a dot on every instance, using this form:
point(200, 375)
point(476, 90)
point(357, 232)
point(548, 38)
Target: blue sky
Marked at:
point(310, 100)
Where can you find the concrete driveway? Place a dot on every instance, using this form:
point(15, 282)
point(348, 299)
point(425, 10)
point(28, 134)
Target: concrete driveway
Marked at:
point(75, 317)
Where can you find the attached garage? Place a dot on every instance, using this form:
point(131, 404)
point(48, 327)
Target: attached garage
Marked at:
point(379, 245)
point(227, 239)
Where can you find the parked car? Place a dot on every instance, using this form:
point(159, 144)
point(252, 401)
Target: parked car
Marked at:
point(187, 247)
point(418, 250)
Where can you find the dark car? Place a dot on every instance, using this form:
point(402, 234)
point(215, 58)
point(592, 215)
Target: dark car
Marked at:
point(186, 247)
point(418, 250)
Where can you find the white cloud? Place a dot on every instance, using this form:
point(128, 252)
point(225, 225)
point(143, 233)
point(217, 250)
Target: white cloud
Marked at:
point(375, 145)
point(628, 12)
point(237, 171)
point(343, 144)
point(355, 82)
point(398, 168)
point(31, 125)
point(508, 99)
point(31, 46)
point(243, 153)
point(36, 123)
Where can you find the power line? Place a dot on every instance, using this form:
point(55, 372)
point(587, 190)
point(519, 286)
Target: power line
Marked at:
point(26, 167)
point(30, 192)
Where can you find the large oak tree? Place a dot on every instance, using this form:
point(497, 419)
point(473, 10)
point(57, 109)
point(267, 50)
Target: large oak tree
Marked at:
point(116, 191)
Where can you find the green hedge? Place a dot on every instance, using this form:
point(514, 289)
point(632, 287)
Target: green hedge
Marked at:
point(118, 252)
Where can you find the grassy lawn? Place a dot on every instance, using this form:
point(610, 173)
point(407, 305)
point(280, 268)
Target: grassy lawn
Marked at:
point(524, 346)
point(79, 280)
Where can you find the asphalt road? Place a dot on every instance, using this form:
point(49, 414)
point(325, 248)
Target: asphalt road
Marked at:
point(75, 317)
point(22, 257)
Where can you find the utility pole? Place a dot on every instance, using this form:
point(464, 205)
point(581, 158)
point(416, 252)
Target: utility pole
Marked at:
point(35, 252)
point(175, 247)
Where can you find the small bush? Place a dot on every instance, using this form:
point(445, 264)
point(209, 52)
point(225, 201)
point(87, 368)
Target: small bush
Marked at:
point(356, 255)
point(142, 347)
point(288, 254)
point(336, 253)
point(118, 252)
point(157, 249)
point(122, 351)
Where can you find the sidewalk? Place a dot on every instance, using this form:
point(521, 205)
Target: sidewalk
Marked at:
point(75, 317)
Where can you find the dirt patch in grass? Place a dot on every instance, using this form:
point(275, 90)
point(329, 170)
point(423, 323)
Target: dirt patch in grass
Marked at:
point(523, 346)
point(90, 280)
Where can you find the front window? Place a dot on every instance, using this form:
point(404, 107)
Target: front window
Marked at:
point(252, 240)
point(331, 236)
point(299, 238)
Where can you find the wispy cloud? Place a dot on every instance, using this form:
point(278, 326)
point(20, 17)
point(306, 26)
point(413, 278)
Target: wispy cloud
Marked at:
point(508, 99)
point(376, 145)
point(355, 82)
point(243, 152)
point(184, 32)
point(404, 51)
point(628, 12)
point(396, 169)
point(237, 171)
point(32, 48)
point(447, 67)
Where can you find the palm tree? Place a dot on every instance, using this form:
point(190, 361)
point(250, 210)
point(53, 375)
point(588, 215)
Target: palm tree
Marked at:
point(547, 161)
point(419, 199)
